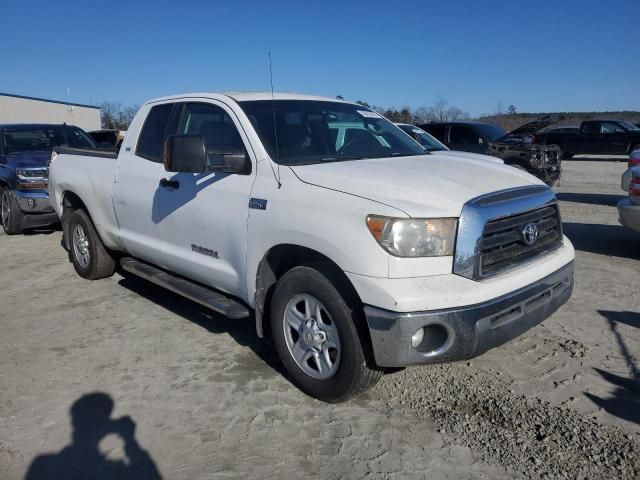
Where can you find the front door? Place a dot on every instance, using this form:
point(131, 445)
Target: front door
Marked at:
point(614, 139)
point(204, 216)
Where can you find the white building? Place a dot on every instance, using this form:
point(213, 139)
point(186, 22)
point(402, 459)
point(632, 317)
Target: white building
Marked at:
point(21, 109)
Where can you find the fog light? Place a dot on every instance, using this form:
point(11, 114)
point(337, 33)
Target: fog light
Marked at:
point(416, 338)
point(31, 203)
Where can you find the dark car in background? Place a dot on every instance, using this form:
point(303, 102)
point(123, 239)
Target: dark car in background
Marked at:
point(598, 137)
point(25, 151)
point(108, 138)
point(465, 136)
point(517, 148)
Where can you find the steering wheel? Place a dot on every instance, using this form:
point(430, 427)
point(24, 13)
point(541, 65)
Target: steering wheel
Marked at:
point(344, 148)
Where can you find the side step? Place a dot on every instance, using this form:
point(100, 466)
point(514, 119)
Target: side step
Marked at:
point(206, 297)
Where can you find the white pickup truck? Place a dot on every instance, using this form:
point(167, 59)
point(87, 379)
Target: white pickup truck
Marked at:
point(350, 246)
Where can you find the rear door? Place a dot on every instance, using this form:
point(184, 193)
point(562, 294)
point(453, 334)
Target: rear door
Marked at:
point(136, 189)
point(204, 216)
point(466, 139)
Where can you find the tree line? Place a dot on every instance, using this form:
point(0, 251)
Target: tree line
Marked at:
point(114, 115)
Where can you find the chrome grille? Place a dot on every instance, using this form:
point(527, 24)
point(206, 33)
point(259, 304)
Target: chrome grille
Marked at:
point(503, 242)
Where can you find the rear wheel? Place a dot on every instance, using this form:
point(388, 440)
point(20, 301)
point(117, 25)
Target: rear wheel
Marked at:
point(90, 258)
point(315, 332)
point(10, 213)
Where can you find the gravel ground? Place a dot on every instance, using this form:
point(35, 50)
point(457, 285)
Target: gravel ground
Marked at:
point(187, 394)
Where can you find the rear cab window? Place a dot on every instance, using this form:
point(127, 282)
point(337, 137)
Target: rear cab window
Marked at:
point(154, 132)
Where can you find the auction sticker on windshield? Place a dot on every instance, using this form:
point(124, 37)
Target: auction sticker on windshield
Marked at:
point(368, 114)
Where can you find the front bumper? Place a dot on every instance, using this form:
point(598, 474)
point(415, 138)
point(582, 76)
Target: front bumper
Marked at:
point(469, 331)
point(629, 214)
point(33, 202)
point(36, 208)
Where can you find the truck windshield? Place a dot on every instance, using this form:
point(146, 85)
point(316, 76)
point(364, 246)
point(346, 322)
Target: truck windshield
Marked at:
point(629, 125)
point(43, 138)
point(492, 132)
point(309, 131)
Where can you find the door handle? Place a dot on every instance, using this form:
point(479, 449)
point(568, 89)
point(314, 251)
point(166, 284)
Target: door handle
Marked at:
point(166, 183)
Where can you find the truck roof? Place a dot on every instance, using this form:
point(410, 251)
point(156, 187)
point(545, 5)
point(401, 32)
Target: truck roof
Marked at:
point(246, 96)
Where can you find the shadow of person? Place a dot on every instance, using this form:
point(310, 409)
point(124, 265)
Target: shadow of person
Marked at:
point(91, 421)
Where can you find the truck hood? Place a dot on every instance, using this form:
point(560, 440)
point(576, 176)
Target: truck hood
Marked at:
point(28, 159)
point(532, 127)
point(436, 185)
point(470, 155)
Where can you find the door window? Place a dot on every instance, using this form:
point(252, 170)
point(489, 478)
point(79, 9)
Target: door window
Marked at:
point(611, 127)
point(591, 128)
point(154, 133)
point(464, 136)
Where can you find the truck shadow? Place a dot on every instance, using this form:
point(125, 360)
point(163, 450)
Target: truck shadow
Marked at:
point(166, 200)
point(624, 401)
point(612, 240)
point(242, 331)
point(591, 198)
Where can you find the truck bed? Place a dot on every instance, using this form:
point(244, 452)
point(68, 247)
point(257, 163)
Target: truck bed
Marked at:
point(89, 174)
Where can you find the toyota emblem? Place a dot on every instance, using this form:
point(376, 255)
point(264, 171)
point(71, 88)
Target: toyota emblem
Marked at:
point(530, 233)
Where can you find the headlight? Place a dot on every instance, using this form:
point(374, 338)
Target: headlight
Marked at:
point(414, 237)
point(32, 178)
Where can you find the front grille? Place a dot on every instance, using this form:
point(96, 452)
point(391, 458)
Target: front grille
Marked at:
point(503, 240)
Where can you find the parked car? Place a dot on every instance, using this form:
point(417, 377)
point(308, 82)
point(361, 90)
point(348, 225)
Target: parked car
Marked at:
point(562, 129)
point(465, 136)
point(634, 161)
point(25, 150)
point(516, 148)
point(629, 207)
point(523, 148)
point(431, 144)
point(108, 138)
point(602, 137)
point(354, 249)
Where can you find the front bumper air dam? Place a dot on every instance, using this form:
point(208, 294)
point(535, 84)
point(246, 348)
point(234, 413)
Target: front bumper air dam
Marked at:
point(465, 332)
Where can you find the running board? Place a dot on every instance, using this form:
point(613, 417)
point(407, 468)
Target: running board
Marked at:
point(206, 297)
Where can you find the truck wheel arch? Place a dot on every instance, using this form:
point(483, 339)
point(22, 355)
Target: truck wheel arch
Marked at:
point(70, 202)
point(278, 260)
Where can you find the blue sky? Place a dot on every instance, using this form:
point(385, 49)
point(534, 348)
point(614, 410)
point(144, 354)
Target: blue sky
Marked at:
point(562, 55)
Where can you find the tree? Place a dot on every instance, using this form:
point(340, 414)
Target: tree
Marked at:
point(512, 109)
point(113, 116)
point(499, 109)
point(339, 97)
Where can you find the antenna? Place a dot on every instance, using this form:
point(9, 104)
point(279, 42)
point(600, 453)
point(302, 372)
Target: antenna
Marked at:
point(69, 104)
point(275, 128)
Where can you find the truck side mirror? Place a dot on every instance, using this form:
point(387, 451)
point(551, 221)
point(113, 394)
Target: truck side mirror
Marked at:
point(185, 153)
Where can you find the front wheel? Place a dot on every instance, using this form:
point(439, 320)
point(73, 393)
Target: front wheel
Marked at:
point(90, 258)
point(10, 213)
point(315, 332)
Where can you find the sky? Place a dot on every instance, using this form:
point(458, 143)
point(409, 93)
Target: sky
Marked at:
point(541, 56)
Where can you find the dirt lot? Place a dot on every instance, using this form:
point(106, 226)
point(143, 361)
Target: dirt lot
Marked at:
point(197, 396)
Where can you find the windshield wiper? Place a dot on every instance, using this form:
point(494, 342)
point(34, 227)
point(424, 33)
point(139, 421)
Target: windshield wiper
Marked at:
point(340, 158)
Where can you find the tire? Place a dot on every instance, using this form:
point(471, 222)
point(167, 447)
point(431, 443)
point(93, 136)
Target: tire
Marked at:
point(10, 213)
point(90, 258)
point(342, 372)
